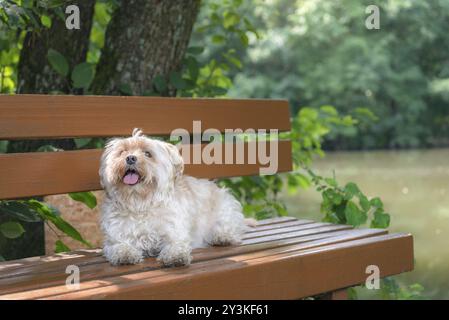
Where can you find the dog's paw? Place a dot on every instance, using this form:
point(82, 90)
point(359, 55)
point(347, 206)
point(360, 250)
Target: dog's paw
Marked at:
point(175, 256)
point(122, 254)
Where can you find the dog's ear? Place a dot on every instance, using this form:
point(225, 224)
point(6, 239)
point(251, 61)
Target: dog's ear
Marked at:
point(106, 152)
point(176, 159)
point(137, 132)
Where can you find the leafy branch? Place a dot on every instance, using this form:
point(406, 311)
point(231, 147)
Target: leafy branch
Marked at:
point(35, 211)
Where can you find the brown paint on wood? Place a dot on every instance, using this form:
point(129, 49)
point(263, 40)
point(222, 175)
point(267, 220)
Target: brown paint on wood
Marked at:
point(52, 116)
point(279, 225)
point(96, 277)
point(299, 233)
point(294, 228)
point(88, 254)
point(303, 273)
point(275, 220)
point(45, 173)
point(16, 268)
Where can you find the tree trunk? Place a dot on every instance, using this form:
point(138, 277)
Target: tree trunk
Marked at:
point(144, 38)
point(35, 75)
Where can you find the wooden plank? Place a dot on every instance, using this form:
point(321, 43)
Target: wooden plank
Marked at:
point(48, 268)
point(40, 273)
point(83, 260)
point(92, 278)
point(51, 116)
point(88, 254)
point(279, 225)
point(275, 220)
point(288, 275)
point(294, 228)
point(299, 233)
point(45, 173)
point(6, 266)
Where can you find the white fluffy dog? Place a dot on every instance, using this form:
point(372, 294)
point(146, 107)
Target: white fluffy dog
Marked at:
point(152, 209)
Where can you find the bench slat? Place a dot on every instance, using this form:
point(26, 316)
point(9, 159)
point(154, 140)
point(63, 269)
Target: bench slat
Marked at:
point(289, 275)
point(45, 173)
point(270, 274)
point(95, 278)
point(286, 229)
point(51, 116)
point(21, 266)
point(286, 224)
point(44, 265)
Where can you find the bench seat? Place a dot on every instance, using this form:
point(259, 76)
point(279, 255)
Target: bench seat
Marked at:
point(280, 258)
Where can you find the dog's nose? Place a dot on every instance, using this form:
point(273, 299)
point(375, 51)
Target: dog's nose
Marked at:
point(131, 159)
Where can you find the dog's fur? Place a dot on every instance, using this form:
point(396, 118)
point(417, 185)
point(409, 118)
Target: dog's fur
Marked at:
point(166, 213)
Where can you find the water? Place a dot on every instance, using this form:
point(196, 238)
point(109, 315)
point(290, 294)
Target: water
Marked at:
point(414, 186)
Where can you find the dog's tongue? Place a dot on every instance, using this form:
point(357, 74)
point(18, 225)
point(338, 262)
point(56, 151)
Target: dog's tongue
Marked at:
point(131, 178)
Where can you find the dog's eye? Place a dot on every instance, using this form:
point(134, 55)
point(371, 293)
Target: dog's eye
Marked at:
point(148, 154)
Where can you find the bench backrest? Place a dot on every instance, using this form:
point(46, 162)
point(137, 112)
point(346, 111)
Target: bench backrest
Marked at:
point(51, 116)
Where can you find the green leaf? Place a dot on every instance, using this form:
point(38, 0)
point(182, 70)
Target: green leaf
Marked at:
point(230, 19)
point(330, 110)
point(331, 196)
point(50, 214)
point(48, 148)
point(331, 181)
point(177, 81)
point(351, 190)
point(353, 215)
point(19, 211)
point(46, 21)
point(364, 202)
point(82, 142)
point(61, 247)
point(82, 75)
point(160, 84)
point(217, 91)
point(52, 3)
point(244, 39)
point(416, 287)
point(192, 66)
point(352, 294)
point(376, 202)
point(150, 93)
point(1, 258)
point(58, 62)
point(3, 146)
point(236, 62)
point(125, 89)
point(340, 213)
point(218, 39)
point(11, 230)
point(381, 220)
point(280, 209)
point(195, 50)
point(88, 198)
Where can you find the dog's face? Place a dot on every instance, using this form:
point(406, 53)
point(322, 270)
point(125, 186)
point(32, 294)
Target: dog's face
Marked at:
point(139, 165)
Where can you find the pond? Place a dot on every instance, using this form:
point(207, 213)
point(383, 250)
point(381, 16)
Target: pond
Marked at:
point(414, 186)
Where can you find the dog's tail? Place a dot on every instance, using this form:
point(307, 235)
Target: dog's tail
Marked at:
point(250, 222)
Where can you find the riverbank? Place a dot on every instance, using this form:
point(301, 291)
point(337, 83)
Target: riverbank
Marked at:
point(414, 186)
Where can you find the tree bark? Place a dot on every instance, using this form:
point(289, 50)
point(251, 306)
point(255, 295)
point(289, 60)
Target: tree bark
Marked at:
point(144, 38)
point(35, 75)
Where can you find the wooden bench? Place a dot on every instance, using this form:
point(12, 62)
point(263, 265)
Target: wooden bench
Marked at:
point(281, 258)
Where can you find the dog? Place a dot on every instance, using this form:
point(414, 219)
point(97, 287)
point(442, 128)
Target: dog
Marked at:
point(153, 210)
